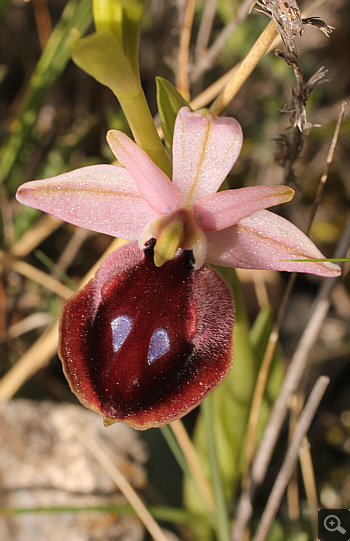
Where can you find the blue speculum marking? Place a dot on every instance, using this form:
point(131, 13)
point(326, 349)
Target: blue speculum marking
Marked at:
point(121, 326)
point(159, 345)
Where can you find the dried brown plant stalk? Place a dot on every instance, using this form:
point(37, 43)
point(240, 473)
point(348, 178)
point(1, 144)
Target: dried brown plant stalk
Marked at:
point(291, 458)
point(244, 69)
point(183, 60)
point(125, 487)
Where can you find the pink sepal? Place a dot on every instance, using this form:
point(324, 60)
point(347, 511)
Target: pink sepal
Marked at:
point(102, 198)
point(205, 147)
point(266, 241)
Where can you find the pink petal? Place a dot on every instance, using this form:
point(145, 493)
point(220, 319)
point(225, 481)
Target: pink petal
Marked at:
point(155, 187)
point(205, 147)
point(265, 241)
point(224, 209)
point(103, 198)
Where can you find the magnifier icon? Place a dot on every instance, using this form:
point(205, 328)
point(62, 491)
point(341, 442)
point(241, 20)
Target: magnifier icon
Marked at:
point(332, 524)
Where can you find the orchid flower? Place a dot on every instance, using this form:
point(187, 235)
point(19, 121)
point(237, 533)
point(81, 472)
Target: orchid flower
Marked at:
point(151, 335)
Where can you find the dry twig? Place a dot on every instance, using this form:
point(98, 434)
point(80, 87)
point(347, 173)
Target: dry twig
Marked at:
point(190, 454)
point(205, 30)
point(291, 458)
point(126, 488)
point(244, 69)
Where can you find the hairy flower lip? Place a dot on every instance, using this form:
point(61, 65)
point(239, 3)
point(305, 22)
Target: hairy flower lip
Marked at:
point(171, 386)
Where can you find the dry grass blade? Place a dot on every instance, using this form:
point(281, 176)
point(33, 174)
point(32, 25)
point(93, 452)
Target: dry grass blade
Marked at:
point(205, 60)
point(72, 248)
point(34, 321)
point(126, 488)
point(35, 358)
point(31, 239)
point(327, 166)
point(291, 458)
point(308, 474)
point(43, 21)
point(204, 31)
point(190, 454)
point(182, 74)
point(245, 68)
point(296, 405)
point(213, 90)
point(42, 278)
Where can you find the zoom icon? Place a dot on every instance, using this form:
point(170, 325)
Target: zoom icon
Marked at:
point(334, 525)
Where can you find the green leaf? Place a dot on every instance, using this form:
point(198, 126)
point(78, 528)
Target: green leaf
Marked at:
point(102, 57)
point(169, 102)
point(163, 513)
point(222, 524)
point(276, 533)
point(301, 536)
point(322, 260)
point(179, 457)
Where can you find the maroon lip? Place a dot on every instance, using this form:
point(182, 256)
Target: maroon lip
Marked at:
point(145, 344)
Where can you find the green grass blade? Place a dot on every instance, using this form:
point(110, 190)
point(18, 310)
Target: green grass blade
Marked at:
point(222, 525)
point(77, 14)
point(164, 513)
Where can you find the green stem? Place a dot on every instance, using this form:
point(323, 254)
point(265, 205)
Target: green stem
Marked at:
point(131, 35)
point(143, 129)
point(108, 17)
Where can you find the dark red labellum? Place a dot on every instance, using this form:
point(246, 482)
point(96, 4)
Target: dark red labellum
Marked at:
point(145, 344)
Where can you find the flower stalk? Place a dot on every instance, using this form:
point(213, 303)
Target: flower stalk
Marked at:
point(111, 56)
